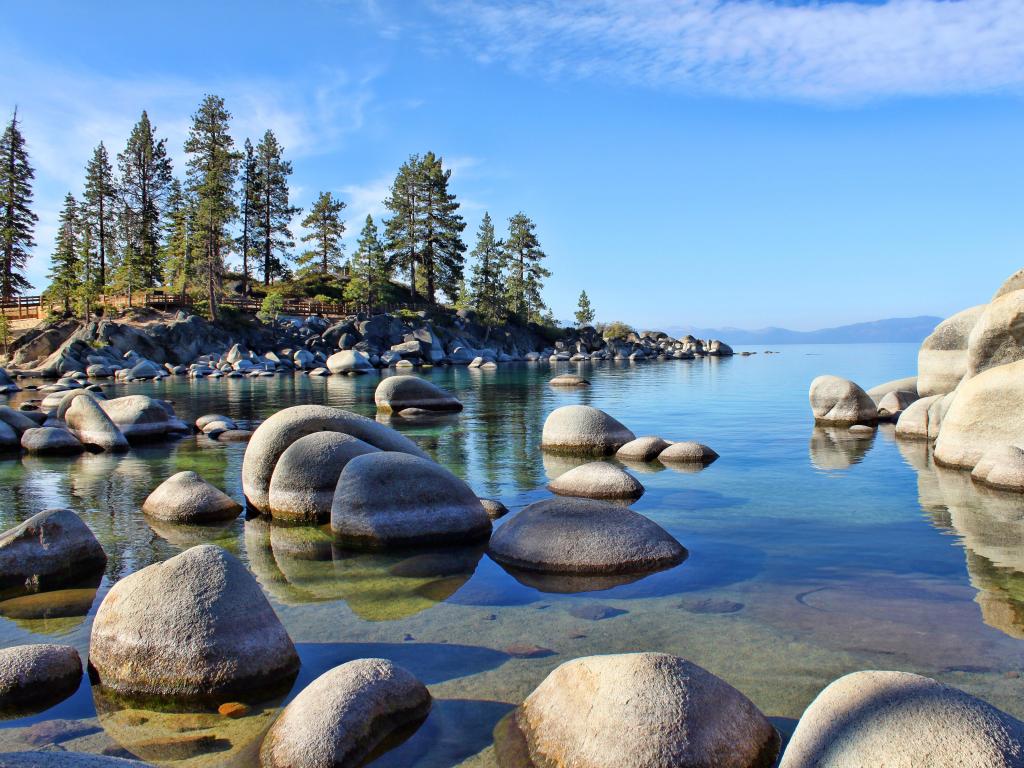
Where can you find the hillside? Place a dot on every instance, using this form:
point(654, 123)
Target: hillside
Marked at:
point(896, 329)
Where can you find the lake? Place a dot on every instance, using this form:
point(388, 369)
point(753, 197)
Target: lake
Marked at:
point(811, 553)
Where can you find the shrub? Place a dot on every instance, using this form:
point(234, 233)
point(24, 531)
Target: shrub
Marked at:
point(614, 330)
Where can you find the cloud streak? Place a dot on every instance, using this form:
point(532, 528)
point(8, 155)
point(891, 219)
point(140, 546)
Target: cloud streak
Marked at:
point(821, 51)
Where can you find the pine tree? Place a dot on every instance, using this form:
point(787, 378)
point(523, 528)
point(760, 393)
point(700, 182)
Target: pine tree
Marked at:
point(88, 288)
point(584, 312)
point(326, 229)
point(65, 267)
point(526, 275)
point(145, 171)
point(370, 272)
point(179, 222)
point(272, 213)
point(250, 193)
point(17, 221)
point(487, 286)
point(403, 230)
point(98, 210)
point(443, 249)
point(212, 167)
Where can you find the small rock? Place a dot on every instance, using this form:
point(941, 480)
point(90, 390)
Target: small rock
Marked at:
point(595, 612)
point(528, 651)
point(234, 709)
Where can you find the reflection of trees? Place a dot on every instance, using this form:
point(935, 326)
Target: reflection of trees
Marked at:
point(837, 448)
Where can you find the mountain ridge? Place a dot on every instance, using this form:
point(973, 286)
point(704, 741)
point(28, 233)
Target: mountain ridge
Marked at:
point(893, 329)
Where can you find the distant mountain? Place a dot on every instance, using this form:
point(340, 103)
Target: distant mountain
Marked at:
point(913, 329)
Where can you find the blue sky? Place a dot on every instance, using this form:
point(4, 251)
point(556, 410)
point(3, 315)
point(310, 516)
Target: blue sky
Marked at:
point(743, 163)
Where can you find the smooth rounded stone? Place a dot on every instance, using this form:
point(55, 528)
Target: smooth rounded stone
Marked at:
point(923, 418)
point(61, 410)
point(282, 429)
point(388, 499)
point(349, 361)
point(985, 413)
point(404, 364)
point(571, 535)
point(215, 429)
point(186, 498)
point(646, 448)
point(942, 358)
point(995, 338)
point(894, 403)
point(862, 430)
point(50, 759)
point(644, 710)
point(687, 452)
point(597, 480)
point(31, 674)
point(489, 365)
point(902, 720)
point(907, 384)
point(202, 421)
point(137, 416)
point(569, 380)
point(493, 508)
point(1001, 467)
point(344, 715)
point(91, 425)
point(55, 441)
point(303, 483)
point(583, 430)
point(235, 436)
point(839, 402)
point(146, 369)
point(50, 549)
point(397, 393)
point(9, 439)
point(196, 626)
point(16, 420)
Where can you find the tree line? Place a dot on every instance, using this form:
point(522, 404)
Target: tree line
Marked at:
point(136, 226)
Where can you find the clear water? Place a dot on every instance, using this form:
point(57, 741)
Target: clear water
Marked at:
point(811, 554)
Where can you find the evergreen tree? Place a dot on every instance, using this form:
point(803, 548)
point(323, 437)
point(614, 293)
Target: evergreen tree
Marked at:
point(370, 273)
point(526, 274)
point(145, 171)
point(17, 221)
point(212, 167)
point(99, 206)
point(272, 213)
point(250, 194)
point(326, 228)
point(65, 267)
point(487, 286)
point(88, 288)
point(179, 222)
point(584, 312)
point(443, 249)
point(403, 231)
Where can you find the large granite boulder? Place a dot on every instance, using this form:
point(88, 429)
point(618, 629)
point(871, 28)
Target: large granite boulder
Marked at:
point(37, 674)
point(906, 384)
point(902, 720)
point(922, 419)
point(49, 550)
point(893, 404)
point(303, 483)
point(387, 499)
point(570, 535)
point(644, 448)
point(186, 498)
point(196, 626)
point(644, 710)
point(137, 416)
point(583, 430)
point(90, 424)
point(52, 441)
point(942, 358)
point(349, 361)
point(396, 393)
point(345, 715)
point(1001, 467)
point(997, 337)
point(839, 402)
point(274, 435)
point(597, 480)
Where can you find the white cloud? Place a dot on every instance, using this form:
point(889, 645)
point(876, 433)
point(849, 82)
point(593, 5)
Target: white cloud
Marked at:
point(821, 51)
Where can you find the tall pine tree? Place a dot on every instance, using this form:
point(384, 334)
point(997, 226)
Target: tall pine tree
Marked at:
point(370, 273)
point(87, 289)
point(98, 210)
point(212, 167)
point(17, 221)
point(179, 223)
point(487, 285)
point(526, 273)
point(65, 265)
point(249, 198)
point(443, 249)
point(403, 231)
point(326, 228)
point(273, 213)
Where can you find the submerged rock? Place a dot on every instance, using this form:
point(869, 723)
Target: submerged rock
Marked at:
point(186, 498)
point(345, 715)
point(397, 393)
point(597, 480)
point(839, 402)
point(569, 380)
point(688, 452)
point(583, 430)
point(645, 448)
point(49, 550)
point(50, 759)
point(91, 425)
point(37, 674)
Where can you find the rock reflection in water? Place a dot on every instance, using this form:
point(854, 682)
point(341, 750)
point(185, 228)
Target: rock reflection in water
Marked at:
point(52, 613)
point(836, 448)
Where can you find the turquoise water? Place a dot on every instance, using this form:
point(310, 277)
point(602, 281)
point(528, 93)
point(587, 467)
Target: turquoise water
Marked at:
point(812, 554)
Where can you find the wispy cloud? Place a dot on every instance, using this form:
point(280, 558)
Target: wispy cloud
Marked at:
point(821, 51)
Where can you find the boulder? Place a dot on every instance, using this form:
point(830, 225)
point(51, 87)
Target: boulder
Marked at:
point(894, 403)
point(186, 498)
point(202, 421)
point(569, 380)
point(196, 626)
point(996, 338)
point(942, 358)
point(923, 418)
point(282, 429)
point(635, 709)
point(719, 349)
point(568, 535)
point(902, 720)
point(388, 499)
point(597, 480)
point(214, 429)
point(91, 425)
point(349, 361)
point(49, 550)
point(396, 393)
point(645, 448)
point(146, 369)
point(55, 441)
point(16, 420)
point(137, 416)
point(493, 508)
point(687, 452)
point(9, 439)
point(65, 399)
point(583, 430)
point(1001, 467)
point(32, 674)
point(840, 402)
point(304, 479)
point(906, 384)
point(345, 715)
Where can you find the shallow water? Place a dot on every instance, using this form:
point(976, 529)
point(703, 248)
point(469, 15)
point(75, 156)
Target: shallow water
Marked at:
point(812, 554)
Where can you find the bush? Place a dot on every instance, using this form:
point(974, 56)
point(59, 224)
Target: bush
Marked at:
point(272, 306)
point(614, 330)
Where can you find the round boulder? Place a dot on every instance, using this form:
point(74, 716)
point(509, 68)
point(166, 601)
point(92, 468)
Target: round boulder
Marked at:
point(1001, 467)
point(37, 674)
point(344, 715)
point(923, 418)
point(583, 430)
point(396, 393)
point(16, 420)
point(186, 498)
point(388, 499)
point(840, 402)
point(637, 709)
point(209, 418)
point(349, 361)
point(942, 358)
point(645, 448)
point(196, 626)
point(493, 508)
point(902, 720)
point(55, 441)
point(567, 535)
point(687, 452)
point(137, 416)
point(569, 380)
point(995, 338)
point(91, 425)
point(50, 549)
point(894, 403)
point(597, 480)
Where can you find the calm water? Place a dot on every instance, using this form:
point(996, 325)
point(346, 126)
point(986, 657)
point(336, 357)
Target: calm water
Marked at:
point(811, 554)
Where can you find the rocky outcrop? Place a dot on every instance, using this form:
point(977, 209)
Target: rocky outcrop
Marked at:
point(942, 359)
point(397, 393)
point(186, 498)
point(597, 480)
point(583, 430)
point(49, 550)
point(839, 402)
point(32, 674)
